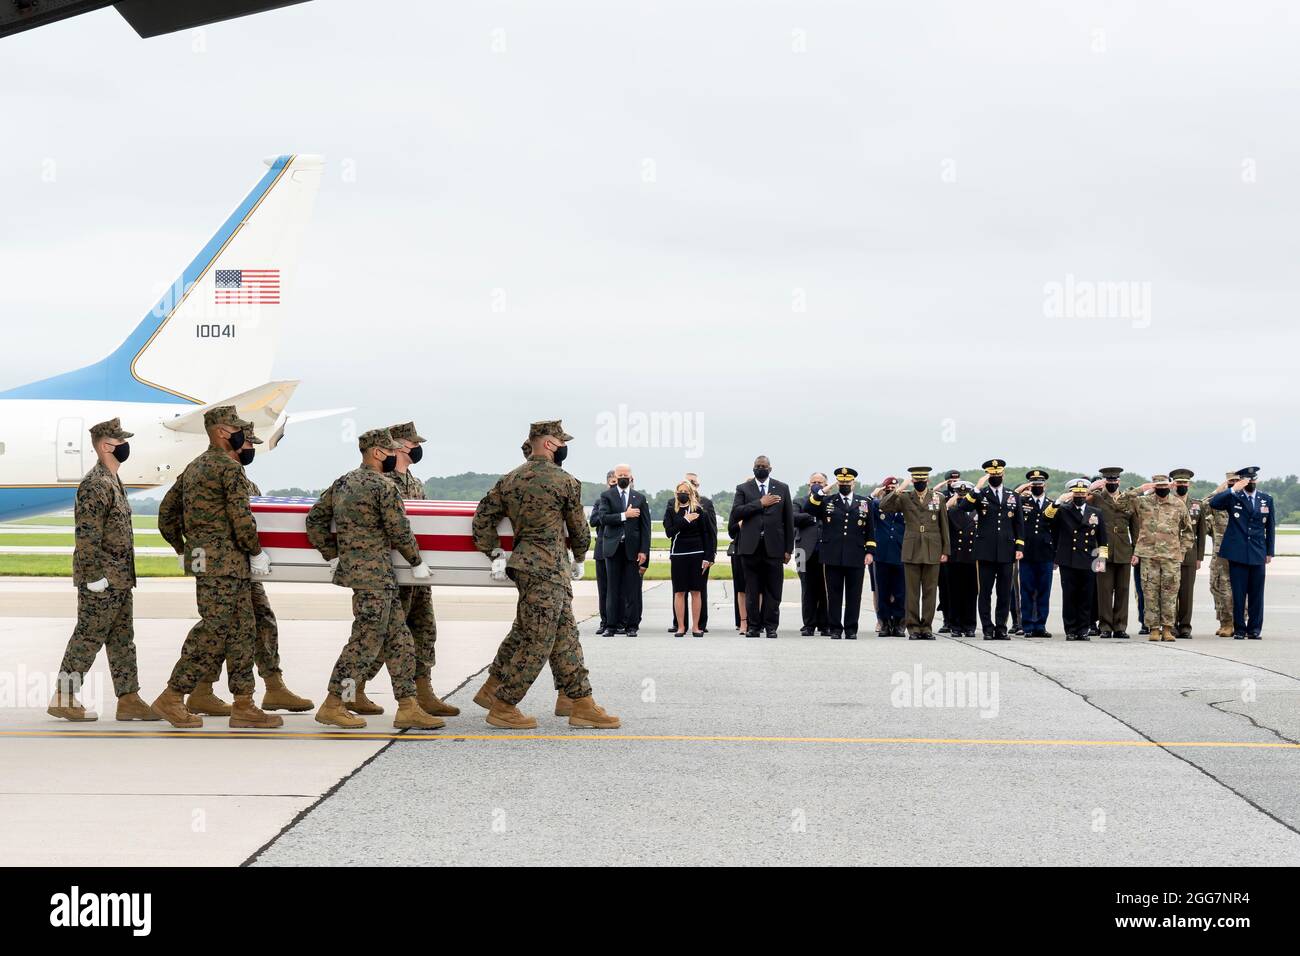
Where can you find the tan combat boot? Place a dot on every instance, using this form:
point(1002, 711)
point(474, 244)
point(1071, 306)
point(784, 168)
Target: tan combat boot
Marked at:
point(509, 717)
point(361, 704)
point(170, 706)
point(1167, 634)
point(1224, 631)
point(131, 707)
point(334, 713)
point(430, 702)
point(1154, 635)
point(69, 708)
point(279, 697)
point(588, 713)
point(410, 714)
point(203, 701)
point(563, 705)
point(247, 714)
point(487, 694)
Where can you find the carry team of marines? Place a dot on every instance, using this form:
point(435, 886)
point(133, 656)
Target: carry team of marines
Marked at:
point(360, 520)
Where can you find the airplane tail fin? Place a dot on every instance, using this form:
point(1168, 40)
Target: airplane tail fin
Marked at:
point(215, 331)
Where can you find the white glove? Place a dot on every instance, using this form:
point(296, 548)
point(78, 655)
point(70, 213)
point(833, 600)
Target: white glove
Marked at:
point(498, 564)
point(577, 570)
point(260, 564)
point(420, 571)
point(333, 564)
point(97, 586)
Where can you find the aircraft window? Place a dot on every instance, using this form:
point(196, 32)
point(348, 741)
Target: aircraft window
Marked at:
point(2, 448)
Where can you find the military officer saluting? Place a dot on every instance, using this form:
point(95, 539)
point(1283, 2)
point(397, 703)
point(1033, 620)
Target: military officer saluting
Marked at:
point(1193, 556)
point(356, 525)
point(1080, 547)
point(999, 540)
point(1248, 545)
point(925, 547)
point(1121, 531)
point(963, 580)
point(1039, 555)
point(103, 570)
point(1164, 535)
point(847, 547)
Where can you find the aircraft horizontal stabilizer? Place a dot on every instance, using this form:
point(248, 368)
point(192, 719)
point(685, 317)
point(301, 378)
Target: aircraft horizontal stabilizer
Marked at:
point(263, 406)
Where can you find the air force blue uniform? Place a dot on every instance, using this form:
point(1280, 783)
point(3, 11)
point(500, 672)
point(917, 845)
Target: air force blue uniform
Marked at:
point(1248, 540)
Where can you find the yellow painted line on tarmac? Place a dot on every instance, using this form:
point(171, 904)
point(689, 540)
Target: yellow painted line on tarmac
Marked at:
point(599, 736)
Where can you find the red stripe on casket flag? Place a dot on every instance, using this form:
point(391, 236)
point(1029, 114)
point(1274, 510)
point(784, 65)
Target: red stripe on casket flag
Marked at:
point(427, 542)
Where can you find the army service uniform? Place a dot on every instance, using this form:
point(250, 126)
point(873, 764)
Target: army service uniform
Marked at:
point(1113, 583)
point(999, 534)
point(847, 537)
point(924, 543)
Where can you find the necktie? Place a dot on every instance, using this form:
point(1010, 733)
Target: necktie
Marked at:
point(624, 495)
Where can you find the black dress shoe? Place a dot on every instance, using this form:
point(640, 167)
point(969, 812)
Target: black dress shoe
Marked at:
point(836, 635)
point(1238, 636)
point(913, 637)
point(1254, 637)
point(1144, 629)
point(753, 633)
point(926, 636)
point(1018, 630)
point(672, 629)
point(823, 632)
point(613, 631)
point(1184, 635)
point(1092, 632)
point(1084, 637)
point(945, 629)
point(1102, 634)
point(851, 637)
point(1122, 635)
point(631, 632)
point(988, 633)
point(805, 632)
point(1043, 633)
point(1000, 633)
point(771, 634)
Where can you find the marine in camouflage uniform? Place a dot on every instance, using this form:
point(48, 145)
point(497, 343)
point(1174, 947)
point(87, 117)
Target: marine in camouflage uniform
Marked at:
point(1216, 525)
point(355, 525)
point(1164, 535)
point(417, 601)
point(208, 519)
point(103, 570)
point(266, 649)
point(543, 504)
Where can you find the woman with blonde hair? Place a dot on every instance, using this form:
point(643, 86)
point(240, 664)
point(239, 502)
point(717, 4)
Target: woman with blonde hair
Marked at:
point(694, 545)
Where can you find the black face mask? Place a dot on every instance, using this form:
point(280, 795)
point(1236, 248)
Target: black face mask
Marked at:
point(1036, 490)
point(122, 452)
point(624, 482)
point(1162, 492)
point(1112, 486)
point(1181, 489)
point(237, 440)
point(389, 463)
point(416, 453)
point(846, 490)
point(762, 473)
point(561, 453)
point(1250, 486)
point(683, 497)
point(1080, 500)
point(919, 485)
point(246, 456)
point(995, 481)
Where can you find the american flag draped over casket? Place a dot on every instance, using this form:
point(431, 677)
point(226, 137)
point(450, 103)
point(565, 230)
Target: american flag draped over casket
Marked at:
point(442, 529)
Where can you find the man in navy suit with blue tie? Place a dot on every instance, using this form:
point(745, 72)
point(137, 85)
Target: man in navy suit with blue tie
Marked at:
point(1248, 547)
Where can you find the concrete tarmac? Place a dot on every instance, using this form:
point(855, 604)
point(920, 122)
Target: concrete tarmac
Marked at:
point(732, 750)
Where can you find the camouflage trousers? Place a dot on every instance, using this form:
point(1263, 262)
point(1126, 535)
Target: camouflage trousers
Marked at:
point(226, 630)
point(1161, 578)
point(103, 620)
point(1221, 588)
point(545, 631)
point(379, 633)
point(266, 650)
point(417, 606)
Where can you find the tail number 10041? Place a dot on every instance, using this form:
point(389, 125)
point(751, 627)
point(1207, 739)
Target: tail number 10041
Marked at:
point(215, 331)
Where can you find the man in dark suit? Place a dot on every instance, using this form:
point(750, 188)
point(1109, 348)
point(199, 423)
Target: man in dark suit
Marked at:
point(1248, 544)
point(1081, 539)
point(598, 555)
point(812, 576)
point(764, 514)
point(999, 543)
point(625, 542)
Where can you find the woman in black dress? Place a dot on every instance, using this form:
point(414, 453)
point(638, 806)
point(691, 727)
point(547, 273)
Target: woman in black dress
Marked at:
point(694, 546)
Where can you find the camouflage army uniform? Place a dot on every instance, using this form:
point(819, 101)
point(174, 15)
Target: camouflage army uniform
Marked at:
point(543, 503)
point(1216, 525)
point(266, 649)
point(366, 511)
point(416, 600)
point(206, 515)
point(105, 549)
point(1164, 535)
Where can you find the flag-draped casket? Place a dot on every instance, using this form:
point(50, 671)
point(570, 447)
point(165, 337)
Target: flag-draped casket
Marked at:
point(442, 529)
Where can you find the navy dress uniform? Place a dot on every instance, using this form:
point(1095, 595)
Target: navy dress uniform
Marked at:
point(999, 540)
point(891, 581)
point(1039, 556)
point(847, 540)
point(963, 581)
point(1081, 539)
point(951, 479)
point(1248, 546)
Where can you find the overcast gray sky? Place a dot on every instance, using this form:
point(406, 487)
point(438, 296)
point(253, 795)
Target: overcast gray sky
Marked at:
point(829, 232)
